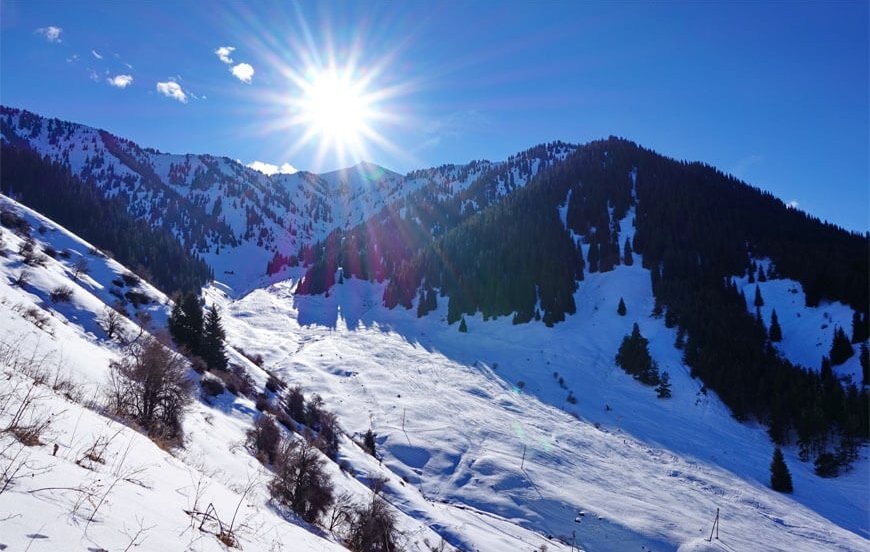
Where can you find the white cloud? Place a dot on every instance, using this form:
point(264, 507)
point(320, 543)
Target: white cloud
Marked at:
point(270, 169)
point(51, 33)
point(224, 54)
point(120, 81)
point(73, 58)
point(93, 75)
point(172, 89)
point(793, 204)
point(243, 72)
point(96, 54)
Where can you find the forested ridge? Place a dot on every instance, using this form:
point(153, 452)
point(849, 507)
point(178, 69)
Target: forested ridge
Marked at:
point(696, 229)
point(104, 221)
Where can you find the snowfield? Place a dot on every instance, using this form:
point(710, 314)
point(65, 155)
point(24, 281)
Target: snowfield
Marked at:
point(477, 439)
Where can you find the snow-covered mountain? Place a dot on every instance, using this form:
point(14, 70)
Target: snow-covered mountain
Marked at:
point(233, 216)
point(498, 436)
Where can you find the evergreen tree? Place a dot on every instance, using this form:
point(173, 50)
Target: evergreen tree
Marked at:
point(213, 337)
point(663, 391)
point(865, 364)
point(759, 302)
point(369, 442)
point(463, 327)
point(841, 349)
point(761, 276)
point(627, 257)
point(633, 357)
point(780, 478)
point(186, 323)
point(621, 308)
point(859, 327)
point(775, 332)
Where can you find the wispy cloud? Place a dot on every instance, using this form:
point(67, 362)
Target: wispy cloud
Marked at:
point(73, 58)
point(451, 126)
point(741, 168)
point(96, 54)
point(793, 204)
point(224, 54)
point(93, 75)
point(51, 33)
point(270, 169)
point(243, 72)
point(120, 81)
point(172, 89)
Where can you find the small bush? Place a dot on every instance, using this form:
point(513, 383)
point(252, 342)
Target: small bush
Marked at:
point(61, 294)
point(212, 387)
point(50, 251)
point(301, 482)
point(151, 388)
point(264, 439)
point(369, 442)
point(295, 404)
point(130, 279)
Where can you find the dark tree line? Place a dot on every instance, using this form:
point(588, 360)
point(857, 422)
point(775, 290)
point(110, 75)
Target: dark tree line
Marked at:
point(52, 190)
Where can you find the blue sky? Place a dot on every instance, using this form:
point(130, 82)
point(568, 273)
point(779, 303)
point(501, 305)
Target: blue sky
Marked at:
point(775, 93)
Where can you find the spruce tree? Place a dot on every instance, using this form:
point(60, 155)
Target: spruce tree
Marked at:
point(859, 327)
point(463, 327)
point(663, 391)
point(780, 478)
point(865, 364)
point(621, 308)
point(627, 257)
point(213, 337)
point(185, 323)
point(775, 332)
point(759, 302)
point(633, 357)
point(841, 349)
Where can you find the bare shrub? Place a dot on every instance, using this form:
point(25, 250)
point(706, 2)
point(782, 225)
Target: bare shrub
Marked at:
point(151, 388)
point(264, 439)
point(373, 527)
point(295, 404)
point(37, 317)
point(29, 253)
point(301, 482)
point(80, 267)
point(61, 294)
point(111, 322)
point(22, 280)
point(211, 387)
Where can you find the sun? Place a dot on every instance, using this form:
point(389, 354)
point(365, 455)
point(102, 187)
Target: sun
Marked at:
point(336, 108)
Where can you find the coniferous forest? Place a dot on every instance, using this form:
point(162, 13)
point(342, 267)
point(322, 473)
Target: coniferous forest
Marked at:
point(51, 189)
point(696, 229)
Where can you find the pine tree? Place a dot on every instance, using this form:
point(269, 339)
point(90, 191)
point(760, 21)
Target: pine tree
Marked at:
point(780, 478)
point(633, 357)
point(627, 257)
point(621, 308)
point(761, 276)
point(663, 391)
point(841, 349)
point(185, 323)
point(775, 332)
point(213, 337)
point(759, 302)
point(859, 328)
point(865, 364)
point(463, 327)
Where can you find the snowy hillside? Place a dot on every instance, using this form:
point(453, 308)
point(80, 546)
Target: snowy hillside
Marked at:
point(87, 479)
point(537, 424)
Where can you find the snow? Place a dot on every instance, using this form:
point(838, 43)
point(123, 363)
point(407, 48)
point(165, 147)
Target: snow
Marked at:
point(452, 419)
point(807, 332)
